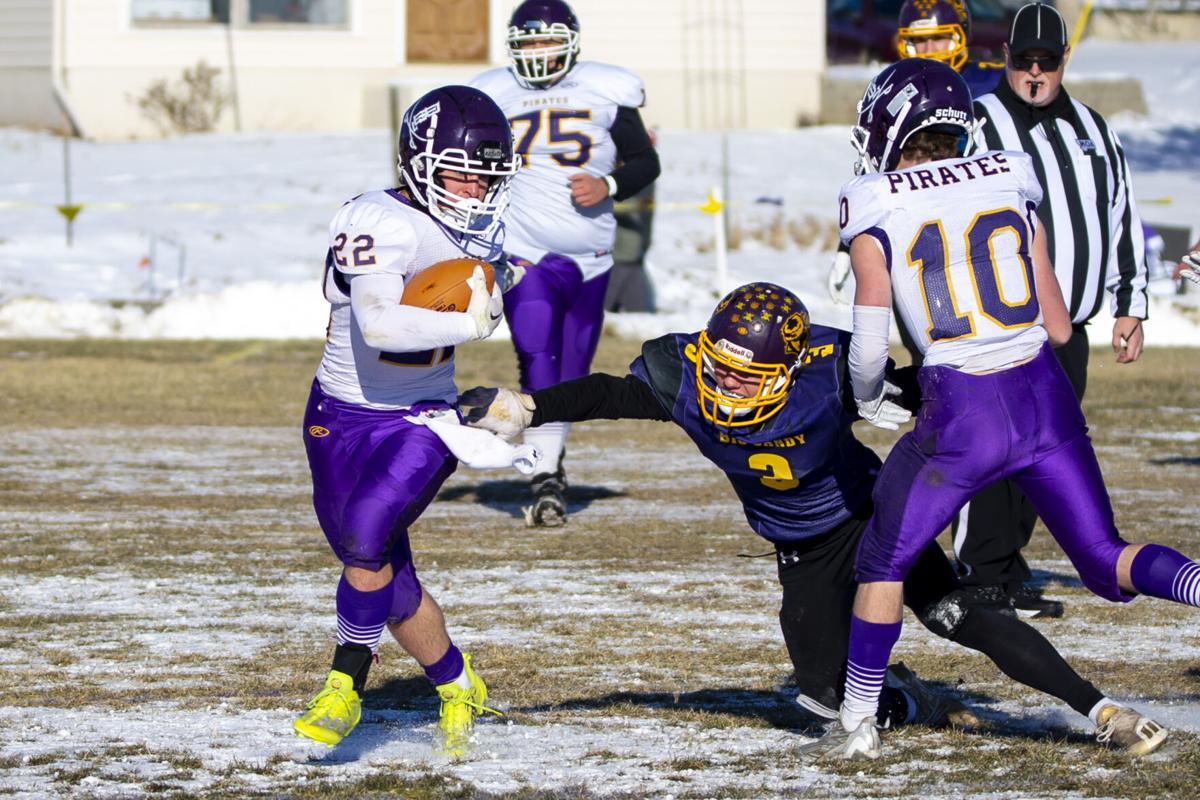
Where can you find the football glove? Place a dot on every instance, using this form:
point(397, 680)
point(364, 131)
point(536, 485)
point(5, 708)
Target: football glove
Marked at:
point(1189, 267)
point(882, 412)
point(510, 270)
point(839, 274)
point(486, 309)
point(502, 411)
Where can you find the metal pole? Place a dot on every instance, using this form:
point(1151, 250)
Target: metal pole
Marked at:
point(234, 7)
point(67, 188)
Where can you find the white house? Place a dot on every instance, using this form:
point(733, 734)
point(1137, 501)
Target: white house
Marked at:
point(328, 64)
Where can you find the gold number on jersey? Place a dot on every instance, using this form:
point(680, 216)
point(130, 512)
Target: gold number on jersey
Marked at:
point(929, 254)
point(527, 126)
point(779, 471)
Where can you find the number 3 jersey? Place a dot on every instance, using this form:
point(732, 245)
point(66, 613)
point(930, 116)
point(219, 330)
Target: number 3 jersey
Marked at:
point(382, 233)
point(559, 131)
point(803, 473)
point(957, 235)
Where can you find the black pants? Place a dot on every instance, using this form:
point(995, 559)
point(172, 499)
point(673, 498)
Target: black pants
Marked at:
point(817, 576)
point(818, 597)
point(991, 530)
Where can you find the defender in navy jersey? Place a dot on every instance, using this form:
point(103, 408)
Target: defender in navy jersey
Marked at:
point(765, 396)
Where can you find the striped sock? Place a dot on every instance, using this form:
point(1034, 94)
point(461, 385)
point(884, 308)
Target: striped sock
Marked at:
point(870, 648)
point(361, 616)
point(1162, 572)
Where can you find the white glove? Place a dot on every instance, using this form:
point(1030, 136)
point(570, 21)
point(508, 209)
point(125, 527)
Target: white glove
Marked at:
point(510, 271)
point(839, 273)
point(502, 411)
point(882, 412)
point(1189, 267)
point(486, 309)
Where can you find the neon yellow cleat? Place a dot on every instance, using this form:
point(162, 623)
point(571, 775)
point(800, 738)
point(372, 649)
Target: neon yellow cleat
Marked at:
point(333, 713)
point(460, 707)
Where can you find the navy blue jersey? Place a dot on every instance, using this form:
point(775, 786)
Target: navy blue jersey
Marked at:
point(982, 77)
point(803, 473)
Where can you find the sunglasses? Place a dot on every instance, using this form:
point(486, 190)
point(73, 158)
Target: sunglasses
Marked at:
point(1024, 63)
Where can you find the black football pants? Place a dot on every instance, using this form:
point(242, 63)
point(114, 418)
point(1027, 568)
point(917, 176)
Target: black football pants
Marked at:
point(817, 576)
point(990, 531)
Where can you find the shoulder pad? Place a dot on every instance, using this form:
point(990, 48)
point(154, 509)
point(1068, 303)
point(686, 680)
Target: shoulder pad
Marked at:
point(614, 83)
point(859, 208)
point(491, 79)
point(373, 234)
point(664, 368)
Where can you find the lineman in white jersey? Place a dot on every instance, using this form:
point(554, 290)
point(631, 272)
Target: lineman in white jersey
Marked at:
point(373, 469)
point(583, 145)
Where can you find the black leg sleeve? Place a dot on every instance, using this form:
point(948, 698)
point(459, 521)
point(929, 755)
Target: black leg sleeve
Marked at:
point(1018, 649)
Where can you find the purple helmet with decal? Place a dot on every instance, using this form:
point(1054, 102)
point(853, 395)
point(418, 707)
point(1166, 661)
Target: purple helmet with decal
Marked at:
point(543, 41)
point(748, 354)
point(457, 129)
point(911, 95)
point(947, 22)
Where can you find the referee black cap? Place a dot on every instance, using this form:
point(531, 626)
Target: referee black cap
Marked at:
point(1037, 26)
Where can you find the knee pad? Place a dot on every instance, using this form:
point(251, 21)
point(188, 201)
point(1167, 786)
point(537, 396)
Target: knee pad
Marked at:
point(946, 616)
point(406, 593)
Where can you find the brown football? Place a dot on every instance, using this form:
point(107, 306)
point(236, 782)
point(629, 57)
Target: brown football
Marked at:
point(443, 286)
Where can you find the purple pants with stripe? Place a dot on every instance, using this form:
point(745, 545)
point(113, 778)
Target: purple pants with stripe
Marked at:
point(373, 474)
point(555, 317)
point(972, 430)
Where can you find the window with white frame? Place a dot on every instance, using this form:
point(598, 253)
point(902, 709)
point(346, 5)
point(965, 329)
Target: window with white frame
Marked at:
point(242, 13)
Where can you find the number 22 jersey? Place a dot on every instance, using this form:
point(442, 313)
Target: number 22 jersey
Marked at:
point(957, 235)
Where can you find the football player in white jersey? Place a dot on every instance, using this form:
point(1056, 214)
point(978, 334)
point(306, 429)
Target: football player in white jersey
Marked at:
point(955, 239)
point(583, 145)
point(374, 470)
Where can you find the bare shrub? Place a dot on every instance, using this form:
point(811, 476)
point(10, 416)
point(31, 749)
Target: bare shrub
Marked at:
point(191, 105)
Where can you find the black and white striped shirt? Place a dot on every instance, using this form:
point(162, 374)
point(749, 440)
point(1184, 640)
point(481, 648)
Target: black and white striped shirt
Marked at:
point(1095, 232)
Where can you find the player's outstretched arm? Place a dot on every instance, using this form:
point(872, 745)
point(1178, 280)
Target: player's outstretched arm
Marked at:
point(598, 396)
point(502, 411)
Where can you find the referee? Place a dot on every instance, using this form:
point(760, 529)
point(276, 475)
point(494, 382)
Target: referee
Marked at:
point(1095, 238)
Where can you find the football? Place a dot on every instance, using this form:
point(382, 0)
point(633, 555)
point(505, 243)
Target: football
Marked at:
point(443, 286)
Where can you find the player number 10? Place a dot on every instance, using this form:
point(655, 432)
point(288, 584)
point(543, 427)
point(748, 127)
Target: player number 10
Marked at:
point(928, 253)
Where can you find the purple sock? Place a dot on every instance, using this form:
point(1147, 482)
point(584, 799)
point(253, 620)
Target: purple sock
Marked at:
point(1162, 572)
point(361, 615)
point(446, 668)
point(870, 648)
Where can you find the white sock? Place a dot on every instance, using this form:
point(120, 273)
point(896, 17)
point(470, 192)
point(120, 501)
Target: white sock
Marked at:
point(462, 680)
point(549, 440)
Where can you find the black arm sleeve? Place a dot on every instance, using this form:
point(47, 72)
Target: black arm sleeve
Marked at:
point(597, 396)
point(640, 165)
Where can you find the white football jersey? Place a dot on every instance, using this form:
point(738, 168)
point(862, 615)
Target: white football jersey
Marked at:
point(958, 238)
point(559, 131)
point(383, 232)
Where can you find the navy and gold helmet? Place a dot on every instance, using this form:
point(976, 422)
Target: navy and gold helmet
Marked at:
point(749, 353)
point(943, 21)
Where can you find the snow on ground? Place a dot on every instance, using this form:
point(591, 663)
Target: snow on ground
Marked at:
point(236, 225)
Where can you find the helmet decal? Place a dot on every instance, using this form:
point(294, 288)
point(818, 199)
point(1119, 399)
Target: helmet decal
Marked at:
point(748, 354)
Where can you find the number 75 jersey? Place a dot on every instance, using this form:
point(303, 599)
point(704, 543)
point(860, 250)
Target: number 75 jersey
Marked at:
point(559, 131)
point(957, 236)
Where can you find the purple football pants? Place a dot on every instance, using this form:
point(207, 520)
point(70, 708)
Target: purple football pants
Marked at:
point(555, 318)
point(972, 430)
point(373, 474)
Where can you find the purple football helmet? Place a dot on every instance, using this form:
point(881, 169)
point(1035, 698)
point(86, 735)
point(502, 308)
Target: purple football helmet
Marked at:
point(935, 21)
point(911, 95)
point(749, 353)
point(553, 30)
point(458, 129)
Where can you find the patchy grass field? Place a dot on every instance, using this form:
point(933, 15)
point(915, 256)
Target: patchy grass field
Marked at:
point(166, 606)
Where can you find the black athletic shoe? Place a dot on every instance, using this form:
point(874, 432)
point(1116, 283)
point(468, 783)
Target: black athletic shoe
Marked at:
point(549, 509)
point(1029, 603)
point(990, 598)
